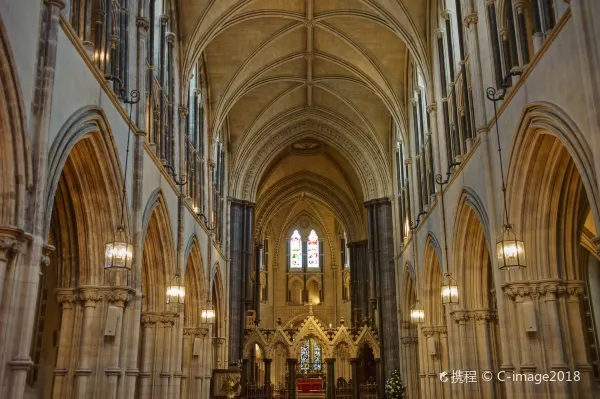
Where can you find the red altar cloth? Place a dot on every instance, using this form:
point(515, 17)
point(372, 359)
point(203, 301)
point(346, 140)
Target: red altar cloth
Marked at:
point(306, 385)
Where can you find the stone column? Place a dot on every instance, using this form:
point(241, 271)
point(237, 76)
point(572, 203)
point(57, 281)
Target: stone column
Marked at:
point(149, 322)
point(118, 298)
point(291, 363)
point(483, 319)
point(330, 378)
point(519, 7)
point(267, 382)
point(187, 361)
point(381, 251)
point(411, 370)
point(217, 345)
point(538, 35)
point(241, 221)
point(66, 298)
point(354, 363)
point(89, 298)
point(167, 321)
point(15, 343)
point(10, 244)
point(584, 385)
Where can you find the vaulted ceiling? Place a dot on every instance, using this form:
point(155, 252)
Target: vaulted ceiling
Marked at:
point(285, 72)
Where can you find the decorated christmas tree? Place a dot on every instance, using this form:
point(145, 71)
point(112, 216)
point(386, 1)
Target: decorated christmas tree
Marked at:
point(394, 387)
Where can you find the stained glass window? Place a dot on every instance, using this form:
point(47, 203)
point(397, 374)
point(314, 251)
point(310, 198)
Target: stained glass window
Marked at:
point(305, 357)
point(296, 251)
point(311, 357)
point(313, 249)
point(317, 357)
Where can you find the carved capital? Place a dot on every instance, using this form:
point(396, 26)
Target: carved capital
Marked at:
point(150, 318)
point(429, 331)
point(471, 19)
point(461, 316)
point(485, 315)
point(410, 340)
point(66, 297)
point(431, 108)
point(170, 37)
point(183, 111)
point(90, 296)
point(142, 23)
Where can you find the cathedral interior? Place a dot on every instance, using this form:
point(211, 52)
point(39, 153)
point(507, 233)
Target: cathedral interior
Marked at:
point(299, 199)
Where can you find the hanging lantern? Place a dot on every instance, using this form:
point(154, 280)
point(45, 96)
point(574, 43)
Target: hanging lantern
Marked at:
point(119, 251)
point(417, 314)
point(510, 250)
point(176, 291)
point(207, 316)
point(449, 291)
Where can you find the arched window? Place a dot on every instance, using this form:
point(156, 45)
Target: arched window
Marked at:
point(102, 26)
point(313, 250)
point(311, 357)
point(296, 251)
point(194, 154)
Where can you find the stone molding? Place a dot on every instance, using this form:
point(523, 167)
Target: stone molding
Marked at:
point(410, 340)
point(430, 331)
point(196, 332)
point(550, 289)
point(12, 242)
point(474, 314)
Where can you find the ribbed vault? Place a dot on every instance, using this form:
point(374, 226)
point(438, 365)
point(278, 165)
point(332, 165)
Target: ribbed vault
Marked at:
point(281, 71)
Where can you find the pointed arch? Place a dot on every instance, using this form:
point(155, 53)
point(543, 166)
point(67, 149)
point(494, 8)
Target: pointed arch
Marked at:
point(15, 168)
point(552, 184)
point(194, 283)
point(158, 257)
point(430, 285)
point(88, 122)
point(218, 300)
point(471, 265)
point(83, 201)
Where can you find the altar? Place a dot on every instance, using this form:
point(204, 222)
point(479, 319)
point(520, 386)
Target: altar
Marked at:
point(308, 385)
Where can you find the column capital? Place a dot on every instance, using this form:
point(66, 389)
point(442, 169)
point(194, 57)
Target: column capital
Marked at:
point(267, 360)
point(12, 241)
point(149, 318)
point(471, 19)
point(289, 360)
point(329, 360)
point(142, 23)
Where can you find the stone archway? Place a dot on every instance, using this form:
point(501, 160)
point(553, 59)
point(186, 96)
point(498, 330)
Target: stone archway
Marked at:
point(76, 292)
point(552, 189)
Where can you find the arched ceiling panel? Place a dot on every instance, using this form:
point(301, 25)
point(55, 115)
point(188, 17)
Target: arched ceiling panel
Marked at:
point(279, 71)
point(366, 101)
point(297, 6)
point(384, 48)
point(326, 98)
point(254, 102)
point(225, 54)
point(260, 105)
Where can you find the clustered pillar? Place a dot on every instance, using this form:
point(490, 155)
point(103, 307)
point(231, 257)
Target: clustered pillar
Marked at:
point(241, 244)
point(359, 293)
point(382, 280)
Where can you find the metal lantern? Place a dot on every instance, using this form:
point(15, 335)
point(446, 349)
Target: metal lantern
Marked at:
point(176, 291)
point(449, 291)
point(119, 251)
point(510, 250)
point(417, 314)
point(207, 316)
